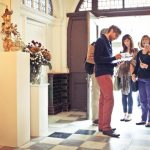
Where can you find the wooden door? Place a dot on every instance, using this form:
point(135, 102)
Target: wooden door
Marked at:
point(77, 43)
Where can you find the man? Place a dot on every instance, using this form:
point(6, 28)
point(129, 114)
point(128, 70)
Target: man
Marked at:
point(94, 86)
point(103, 72)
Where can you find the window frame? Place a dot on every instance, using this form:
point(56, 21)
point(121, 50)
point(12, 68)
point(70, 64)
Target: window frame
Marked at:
point(115, 12)
point(39, 9)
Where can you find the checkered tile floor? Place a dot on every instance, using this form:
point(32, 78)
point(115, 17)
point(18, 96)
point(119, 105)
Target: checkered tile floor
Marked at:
point(70, 131)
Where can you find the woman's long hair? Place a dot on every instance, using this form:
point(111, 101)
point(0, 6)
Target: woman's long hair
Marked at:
point(127, 36)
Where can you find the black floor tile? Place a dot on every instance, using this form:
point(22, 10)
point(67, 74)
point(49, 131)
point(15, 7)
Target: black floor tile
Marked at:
point(85, 132)
point(60, 135)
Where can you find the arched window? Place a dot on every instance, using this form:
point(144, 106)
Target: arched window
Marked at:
point(86, 5)
point(40, 5)
point(95, 5)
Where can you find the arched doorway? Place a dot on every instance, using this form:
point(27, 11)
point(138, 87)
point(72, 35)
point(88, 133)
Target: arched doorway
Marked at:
point(78, 39)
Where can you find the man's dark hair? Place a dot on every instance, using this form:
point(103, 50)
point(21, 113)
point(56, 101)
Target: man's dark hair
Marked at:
point(115, 29)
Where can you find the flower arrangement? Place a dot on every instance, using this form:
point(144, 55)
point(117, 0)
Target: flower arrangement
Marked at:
point(38, 56)
point(10, 36)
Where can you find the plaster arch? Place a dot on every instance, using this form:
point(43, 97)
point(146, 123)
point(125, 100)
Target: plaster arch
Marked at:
point(61, 7)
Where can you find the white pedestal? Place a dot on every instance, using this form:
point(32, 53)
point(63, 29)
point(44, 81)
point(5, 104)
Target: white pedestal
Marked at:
point(44, 74)
point(39, 110)
point(14, 98)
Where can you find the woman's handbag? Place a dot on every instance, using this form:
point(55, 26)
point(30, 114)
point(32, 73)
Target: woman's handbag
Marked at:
point(89, 68)
point(135, 86)
point(117, 83)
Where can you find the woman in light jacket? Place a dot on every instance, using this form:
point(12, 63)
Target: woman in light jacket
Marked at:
point(124, 73)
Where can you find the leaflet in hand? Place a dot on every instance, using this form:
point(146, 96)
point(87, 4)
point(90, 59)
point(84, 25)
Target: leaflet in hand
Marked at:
point(125, 57)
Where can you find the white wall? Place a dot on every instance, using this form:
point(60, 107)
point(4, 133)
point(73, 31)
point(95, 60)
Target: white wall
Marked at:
point(61, 8)
point(36, 30)
point(50, 31)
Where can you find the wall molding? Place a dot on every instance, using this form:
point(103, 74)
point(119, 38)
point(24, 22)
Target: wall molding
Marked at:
point(39, 16)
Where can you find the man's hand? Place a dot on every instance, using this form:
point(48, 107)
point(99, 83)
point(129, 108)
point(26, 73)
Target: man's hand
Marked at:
point(143, 66)
point(118, 56)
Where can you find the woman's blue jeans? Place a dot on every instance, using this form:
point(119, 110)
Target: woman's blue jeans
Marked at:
point(127, 102)
point(144, 91)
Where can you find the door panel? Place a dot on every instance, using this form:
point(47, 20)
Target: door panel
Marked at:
point(78, 89)
point(77, 43)
point(78, 46)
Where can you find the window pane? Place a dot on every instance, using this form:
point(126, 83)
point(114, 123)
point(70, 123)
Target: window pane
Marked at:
point(36, 4)
point(50, 10)
point(137, 3)
point(40, 5)
point(86, 5)
point(110, 4)
point(28, 3)
point(43, 5)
